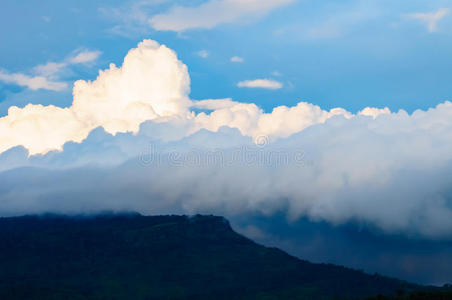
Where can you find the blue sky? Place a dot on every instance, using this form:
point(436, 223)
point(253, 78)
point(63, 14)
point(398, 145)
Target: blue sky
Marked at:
point(349, 54)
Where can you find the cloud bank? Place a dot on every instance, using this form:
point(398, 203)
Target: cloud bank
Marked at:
point(132, 141)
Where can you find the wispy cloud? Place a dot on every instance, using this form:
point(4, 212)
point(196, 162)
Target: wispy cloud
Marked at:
point(345, 19)
point(132, 18)
point(49, 68)
point(84, 57)
point(212, 13)
point(46, 76)
point(261, 83)
point(32, 82)
point(237, 59)
point(203, 53)
point(431, 19)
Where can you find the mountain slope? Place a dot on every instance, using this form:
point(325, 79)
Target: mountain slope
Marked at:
point(162, 257)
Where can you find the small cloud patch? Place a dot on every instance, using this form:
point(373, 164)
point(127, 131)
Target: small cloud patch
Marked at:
point(261, 83)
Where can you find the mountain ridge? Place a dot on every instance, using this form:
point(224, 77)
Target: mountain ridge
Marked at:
point(130, 256)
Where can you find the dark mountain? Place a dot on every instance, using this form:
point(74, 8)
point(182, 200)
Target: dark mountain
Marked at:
point(445, 294)
point(162, 257)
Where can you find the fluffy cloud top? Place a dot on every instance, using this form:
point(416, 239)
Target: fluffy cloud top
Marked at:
point(212, 13)
point(151, 83)
point(261, 83)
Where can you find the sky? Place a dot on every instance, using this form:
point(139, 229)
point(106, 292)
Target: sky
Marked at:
point(319, 122)
point(351, 54)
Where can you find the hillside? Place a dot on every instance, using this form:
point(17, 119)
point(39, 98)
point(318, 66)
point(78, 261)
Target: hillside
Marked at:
point(161, 257)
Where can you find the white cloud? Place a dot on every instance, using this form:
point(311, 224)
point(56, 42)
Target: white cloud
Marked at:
point(49, 69)
point(46, 76)
point(212, 13)
point(261, 83)
point(237, 59)
point(251, 121)
point(151, 83)
point(203, 53)
point(374, 112)
point(391, 170)
point(32, 82)
point(431, 19)
point(85, 56)
point(214, 104)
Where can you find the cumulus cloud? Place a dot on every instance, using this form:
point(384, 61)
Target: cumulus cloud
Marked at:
point(261, 83)
point(154, 154)
point(212, 13)
point(251, 120)
point(40, 128)
point(392, 172)
point(431, 19)
point(374, 112)
point(237, 59)
point(151, 83)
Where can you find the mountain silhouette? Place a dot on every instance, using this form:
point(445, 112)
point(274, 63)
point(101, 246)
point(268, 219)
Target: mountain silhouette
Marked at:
point(137, 257)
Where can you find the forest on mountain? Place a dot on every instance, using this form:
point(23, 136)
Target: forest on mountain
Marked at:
point(164, 257)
